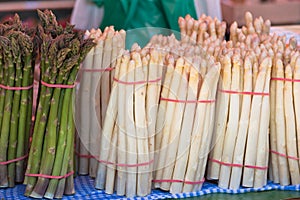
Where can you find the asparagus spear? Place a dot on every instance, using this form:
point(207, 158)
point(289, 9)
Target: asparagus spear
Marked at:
point(5, 43)
point(290, 122)
point(232, 125)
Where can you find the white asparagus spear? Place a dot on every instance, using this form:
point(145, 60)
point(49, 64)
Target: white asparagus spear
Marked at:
point(186, 130)
point(107, 131)
point(207, 132)
point(85, 93)
point(232, 125)
point(95, 109)
point(198, 129)
point(239, 150)
point(105, 78)
point(122, 143)
point(170, 107)
point(296, 93)
point(274, 173)
point(154, 72)
point(131, 183)
point(141, 128)
point(284, 176)
point(175, 129)
point(112, 158)
point(263, 135)
point(222, 103)
point(254, 122)
point(160, 120)
point(291, 137)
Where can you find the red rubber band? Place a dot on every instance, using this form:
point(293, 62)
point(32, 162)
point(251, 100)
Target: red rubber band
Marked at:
point(127, 165)
point(285, 79)
point(239, 165)
point(6, 87)
point(58, 85)
point(14, 160)
point(187, 101)
point(98, 70)
point(179, 181)
point(246, 93)
point(284, 155)
point(84, 155)
point(136, 82)
point(50, 176)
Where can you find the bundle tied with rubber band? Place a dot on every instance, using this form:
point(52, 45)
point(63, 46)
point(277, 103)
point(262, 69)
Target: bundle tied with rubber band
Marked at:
point(284, 124)
point(185, 115)
point(126, 148)
point(17, 60)
point(50, 170)
point(96, 78)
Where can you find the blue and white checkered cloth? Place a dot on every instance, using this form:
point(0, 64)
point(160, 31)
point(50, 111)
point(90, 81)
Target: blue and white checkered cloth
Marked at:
point(84, 187)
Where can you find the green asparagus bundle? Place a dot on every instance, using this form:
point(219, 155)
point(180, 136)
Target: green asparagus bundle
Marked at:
point(50, 163)
point(17, 61)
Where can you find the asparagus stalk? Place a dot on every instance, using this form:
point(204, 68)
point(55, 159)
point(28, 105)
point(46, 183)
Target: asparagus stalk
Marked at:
point(240, 144)
point(85, 94)
point(143, 176)
point(263, 137)
point(25, 112)
point(222, 103)
point(175, 129)
point(186, 130)
point(107, 132)
point(14, 120)
point(170, 107)
point(232, 125)
point(131, 137)
point(5, 43)
point(254, 124)
point(290, 122)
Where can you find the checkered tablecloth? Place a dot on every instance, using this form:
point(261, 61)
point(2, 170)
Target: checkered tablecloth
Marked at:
point(84, 187)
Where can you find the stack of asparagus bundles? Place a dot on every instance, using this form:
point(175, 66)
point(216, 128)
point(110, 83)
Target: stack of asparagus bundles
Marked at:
point(50, 164)
point(182, 141)
point(94, 92)
point(127, 141)
point(285, 116)
point(17, 60)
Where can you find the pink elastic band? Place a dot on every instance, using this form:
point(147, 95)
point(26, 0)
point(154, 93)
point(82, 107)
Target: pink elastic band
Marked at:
point(126, 165)
point(15, 88)
point(58, 85)
point(285, 79)
point(179, 181)
point(14, 160)
point(84, 155)
point(284, 155)
point(238, 165)
point(187, 101)
point(137, 82)
point(246, 93)
point(50, 176)
point(98, 70)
